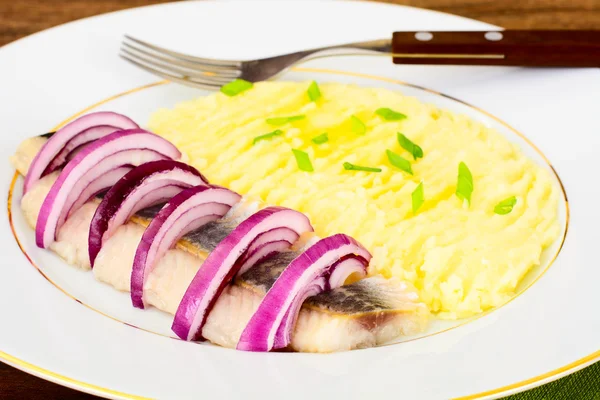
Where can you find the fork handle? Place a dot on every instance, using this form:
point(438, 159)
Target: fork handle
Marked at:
point(527, 48)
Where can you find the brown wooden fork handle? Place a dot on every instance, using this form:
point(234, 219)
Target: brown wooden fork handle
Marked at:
point(527, 48)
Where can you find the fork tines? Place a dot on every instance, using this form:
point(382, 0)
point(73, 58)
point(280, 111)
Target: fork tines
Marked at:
point(203, 73)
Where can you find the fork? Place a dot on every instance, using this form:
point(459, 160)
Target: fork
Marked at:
point(211, 74)
point(544, 48)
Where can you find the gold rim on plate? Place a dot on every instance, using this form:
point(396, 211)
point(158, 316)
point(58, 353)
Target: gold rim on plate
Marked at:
point(519, 386)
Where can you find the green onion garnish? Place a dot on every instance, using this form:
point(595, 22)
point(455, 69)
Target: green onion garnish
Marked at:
point(390, 115)
point(505, 206)
point(266, 136)
point(236, 87)
point(399, 162)
point(284, 120)
point(464, 185)
point(418, 198)
point(314, 93)
point(351, 167)
point(409, 146)
point(303, 160)
point(358, 126)
point(320, 139)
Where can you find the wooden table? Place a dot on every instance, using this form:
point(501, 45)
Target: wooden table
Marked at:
point(24, 17)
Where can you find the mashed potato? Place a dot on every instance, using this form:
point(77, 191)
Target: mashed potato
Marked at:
point(463, 259)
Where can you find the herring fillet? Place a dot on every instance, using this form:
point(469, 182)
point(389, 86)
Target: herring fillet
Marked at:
point(366, 313)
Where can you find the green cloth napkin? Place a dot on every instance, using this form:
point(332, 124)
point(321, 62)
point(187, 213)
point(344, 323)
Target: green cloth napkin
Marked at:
point(582, 385)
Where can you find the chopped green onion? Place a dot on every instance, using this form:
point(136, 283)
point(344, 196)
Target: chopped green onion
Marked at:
point(266, 136)
point(505, 206)
point(236, 87)
point(399, 162)
point(409, 146)
point(314, 93)
point(320, 139)
point(358, 126)
point(351, 167)
point(464, 185)
point(390, 115)
point(284, 120)
point(418, 198)
point(303, 160)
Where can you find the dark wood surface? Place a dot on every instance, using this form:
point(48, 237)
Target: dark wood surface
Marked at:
point(21, 18)
point(24, 17)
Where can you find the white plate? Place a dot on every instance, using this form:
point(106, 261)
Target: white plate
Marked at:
point(549, 330)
